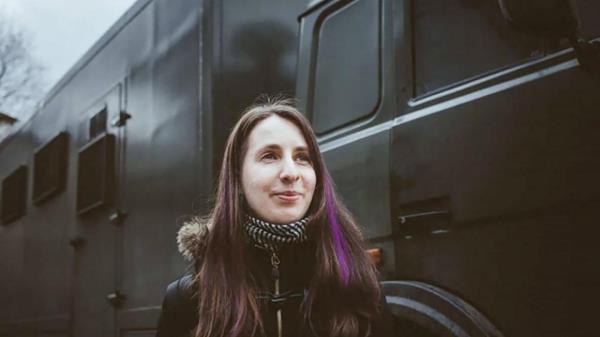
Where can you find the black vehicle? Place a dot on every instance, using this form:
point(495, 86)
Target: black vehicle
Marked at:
point(466, 144)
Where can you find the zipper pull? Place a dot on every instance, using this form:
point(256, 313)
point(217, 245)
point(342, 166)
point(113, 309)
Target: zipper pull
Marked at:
point(275, 264)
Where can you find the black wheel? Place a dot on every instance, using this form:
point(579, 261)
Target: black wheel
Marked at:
point(424, 310)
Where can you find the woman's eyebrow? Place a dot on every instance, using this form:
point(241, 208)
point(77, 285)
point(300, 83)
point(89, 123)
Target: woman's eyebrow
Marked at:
point(271, 147)
point(276, 147)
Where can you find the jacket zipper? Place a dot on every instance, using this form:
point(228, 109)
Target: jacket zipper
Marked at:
point(275, 264)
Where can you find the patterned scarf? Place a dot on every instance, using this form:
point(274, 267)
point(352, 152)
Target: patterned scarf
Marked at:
point(273, 236)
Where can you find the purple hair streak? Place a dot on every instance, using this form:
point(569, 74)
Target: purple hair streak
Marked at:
point(238, 325)
point(339, 241)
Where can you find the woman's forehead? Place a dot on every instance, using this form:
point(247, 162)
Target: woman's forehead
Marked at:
point(275, 131)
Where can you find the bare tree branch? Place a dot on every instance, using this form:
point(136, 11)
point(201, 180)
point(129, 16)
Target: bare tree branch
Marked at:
point(20, 74)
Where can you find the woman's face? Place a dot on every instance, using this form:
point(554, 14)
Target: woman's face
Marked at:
point(278, 178)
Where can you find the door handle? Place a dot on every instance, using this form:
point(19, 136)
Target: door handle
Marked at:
point(422, 215)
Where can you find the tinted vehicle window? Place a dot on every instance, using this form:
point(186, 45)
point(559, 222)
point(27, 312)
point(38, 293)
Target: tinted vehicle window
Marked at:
point(346, 86)
point(459, 39)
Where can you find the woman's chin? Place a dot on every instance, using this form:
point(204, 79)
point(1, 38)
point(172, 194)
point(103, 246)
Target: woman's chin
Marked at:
point(284, 217)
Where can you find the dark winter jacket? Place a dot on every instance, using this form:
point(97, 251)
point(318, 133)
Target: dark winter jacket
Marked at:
point(179, 314)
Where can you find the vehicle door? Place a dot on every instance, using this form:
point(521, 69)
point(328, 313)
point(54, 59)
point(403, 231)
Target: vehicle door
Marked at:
point(97, 236)
point(494, 167)
point(345, 87)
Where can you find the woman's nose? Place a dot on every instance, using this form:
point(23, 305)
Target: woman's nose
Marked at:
point(289, 171)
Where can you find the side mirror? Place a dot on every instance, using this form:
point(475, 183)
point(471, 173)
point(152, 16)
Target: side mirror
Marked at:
point(553, 19)
point(543, 18)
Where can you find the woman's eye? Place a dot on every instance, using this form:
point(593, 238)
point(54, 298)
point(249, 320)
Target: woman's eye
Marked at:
point(268, 156)
point(303, 158)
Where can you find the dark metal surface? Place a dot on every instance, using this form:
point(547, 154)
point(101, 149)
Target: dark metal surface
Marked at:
point(514, 158)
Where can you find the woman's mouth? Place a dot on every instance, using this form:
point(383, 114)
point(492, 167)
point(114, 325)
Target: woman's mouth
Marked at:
point(288, 196)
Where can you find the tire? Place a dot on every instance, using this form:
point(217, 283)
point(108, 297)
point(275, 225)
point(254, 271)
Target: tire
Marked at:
point(424, 310)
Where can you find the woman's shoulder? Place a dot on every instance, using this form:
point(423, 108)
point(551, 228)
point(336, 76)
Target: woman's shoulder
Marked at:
point(178, 315)
point(181, 290)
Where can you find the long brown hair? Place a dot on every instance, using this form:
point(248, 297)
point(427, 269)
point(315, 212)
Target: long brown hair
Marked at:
point(343, 295)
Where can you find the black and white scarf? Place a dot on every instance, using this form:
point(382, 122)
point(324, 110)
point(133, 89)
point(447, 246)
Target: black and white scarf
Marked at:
point(272, 236)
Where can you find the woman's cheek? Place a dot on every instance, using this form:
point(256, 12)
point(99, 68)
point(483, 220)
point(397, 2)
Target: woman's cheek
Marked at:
point(311, 179)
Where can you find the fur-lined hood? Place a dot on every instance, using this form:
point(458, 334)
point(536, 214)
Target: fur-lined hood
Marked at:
point(191, 238)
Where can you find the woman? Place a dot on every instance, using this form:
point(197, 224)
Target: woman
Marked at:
point(279, 255)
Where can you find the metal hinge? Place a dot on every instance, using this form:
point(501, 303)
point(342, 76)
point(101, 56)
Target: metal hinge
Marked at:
point(115, 299)
point(77, 242)
point(117, 217)
point(120, 119)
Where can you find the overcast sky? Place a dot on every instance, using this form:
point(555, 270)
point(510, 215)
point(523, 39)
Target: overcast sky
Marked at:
point(61, 31)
